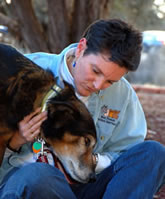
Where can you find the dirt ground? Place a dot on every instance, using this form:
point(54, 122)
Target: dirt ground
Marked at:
point(153, 102)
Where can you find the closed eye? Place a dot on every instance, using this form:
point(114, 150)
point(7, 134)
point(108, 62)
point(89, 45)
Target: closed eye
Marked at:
point(111, 82)
point(87, 141)
point(95, 71)
point(98, 72)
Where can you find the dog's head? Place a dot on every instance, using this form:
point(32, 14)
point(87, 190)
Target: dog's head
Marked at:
point(70, 130)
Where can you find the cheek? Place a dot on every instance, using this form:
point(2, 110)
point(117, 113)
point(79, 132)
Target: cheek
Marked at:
point(82, 71)
point(78, 74)
point(87, 158)
point(79, 78)
point(65, 150)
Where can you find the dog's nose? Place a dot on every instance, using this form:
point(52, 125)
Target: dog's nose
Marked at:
point(92, 177)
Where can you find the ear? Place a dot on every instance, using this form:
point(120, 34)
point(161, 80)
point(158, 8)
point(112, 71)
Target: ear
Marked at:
point(62, 112)
point(60, 118)
point(81, 47)
point(59, 107)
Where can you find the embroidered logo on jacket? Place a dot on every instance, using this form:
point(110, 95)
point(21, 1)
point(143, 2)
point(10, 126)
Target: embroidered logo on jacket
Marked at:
point(109, 115)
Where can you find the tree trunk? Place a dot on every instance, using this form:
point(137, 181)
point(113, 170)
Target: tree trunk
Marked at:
point(30, 28)
point(85, 12)
point(67, 20)
point(12, 24)
point(58, 27)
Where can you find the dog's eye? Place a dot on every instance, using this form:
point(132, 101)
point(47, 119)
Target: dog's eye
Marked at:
point(87, 141)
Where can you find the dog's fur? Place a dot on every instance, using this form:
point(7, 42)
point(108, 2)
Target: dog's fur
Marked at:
point(69, 128)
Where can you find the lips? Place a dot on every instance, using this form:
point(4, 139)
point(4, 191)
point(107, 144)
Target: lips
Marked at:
point(91, 90)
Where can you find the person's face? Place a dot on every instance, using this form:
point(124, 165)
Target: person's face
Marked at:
point(94, 72)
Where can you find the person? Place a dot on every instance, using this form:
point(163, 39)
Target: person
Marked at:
point(127, 166)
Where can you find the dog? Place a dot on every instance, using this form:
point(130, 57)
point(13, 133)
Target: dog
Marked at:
point(68, 129)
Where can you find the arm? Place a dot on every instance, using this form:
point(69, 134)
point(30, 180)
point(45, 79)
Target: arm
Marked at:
point(29, 128)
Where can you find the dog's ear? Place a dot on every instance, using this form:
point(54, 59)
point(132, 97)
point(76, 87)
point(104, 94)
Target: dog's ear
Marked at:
point(62, 111)
point(60, 117)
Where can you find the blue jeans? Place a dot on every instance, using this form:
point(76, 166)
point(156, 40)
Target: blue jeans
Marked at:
point(136, 174)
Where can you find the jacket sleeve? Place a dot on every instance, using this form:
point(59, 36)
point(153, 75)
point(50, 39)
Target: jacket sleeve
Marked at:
point(15, 160)
point(130, 130)
point(6, 166)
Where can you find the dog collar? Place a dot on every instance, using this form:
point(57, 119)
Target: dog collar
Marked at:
point(43, 157)
point(52, 93)
point(38, 146)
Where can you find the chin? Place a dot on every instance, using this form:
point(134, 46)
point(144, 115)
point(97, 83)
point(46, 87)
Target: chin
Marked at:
point(83, 92)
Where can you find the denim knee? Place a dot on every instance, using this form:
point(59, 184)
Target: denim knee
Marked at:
point(154, 150)
point(36, 173)
point(139, 169)
point(147, 153)
point(37, 180)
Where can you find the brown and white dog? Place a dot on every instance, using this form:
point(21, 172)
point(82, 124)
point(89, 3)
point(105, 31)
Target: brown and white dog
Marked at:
point(68, 129)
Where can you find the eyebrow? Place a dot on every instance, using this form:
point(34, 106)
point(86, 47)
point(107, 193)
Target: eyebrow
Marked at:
point(113, 81)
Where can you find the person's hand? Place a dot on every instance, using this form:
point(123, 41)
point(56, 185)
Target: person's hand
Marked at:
point(29, 128)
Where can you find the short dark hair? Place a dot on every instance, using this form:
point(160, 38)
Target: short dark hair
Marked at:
point(117, 38)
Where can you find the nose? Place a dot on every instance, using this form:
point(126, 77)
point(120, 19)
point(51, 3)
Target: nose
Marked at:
point(98, 83)
point(92, 177)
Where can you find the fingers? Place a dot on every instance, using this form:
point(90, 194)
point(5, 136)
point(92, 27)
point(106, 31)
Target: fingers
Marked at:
point(29, 127)
point(30, 116)
point(35, 134)
point(34, 119)
point(32, 136)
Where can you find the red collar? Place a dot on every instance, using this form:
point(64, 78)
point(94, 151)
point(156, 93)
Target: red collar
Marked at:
point(57, 164)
